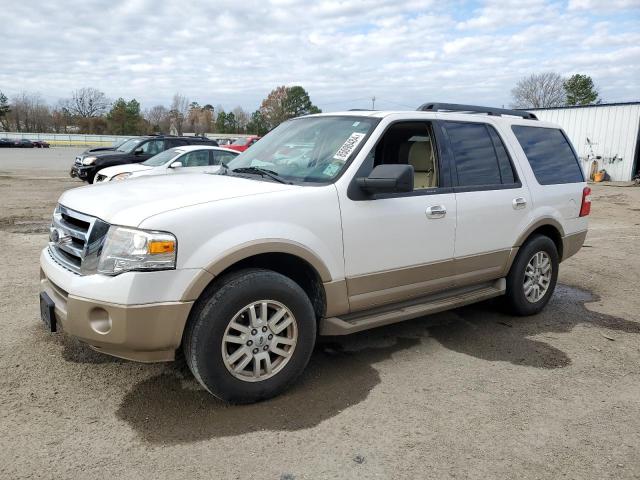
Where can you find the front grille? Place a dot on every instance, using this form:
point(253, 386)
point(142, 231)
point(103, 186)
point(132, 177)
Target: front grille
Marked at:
point(76, 240)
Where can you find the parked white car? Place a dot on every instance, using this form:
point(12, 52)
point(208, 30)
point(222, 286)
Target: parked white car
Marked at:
point(184, 159)
point(331, 224)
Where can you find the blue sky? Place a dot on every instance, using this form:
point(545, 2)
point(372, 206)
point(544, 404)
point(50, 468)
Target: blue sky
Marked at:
point(233, 53)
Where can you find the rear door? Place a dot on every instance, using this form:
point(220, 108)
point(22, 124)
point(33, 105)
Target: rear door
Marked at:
point(493, 204)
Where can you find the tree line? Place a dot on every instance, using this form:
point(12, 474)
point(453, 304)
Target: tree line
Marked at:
point(88, 110)
point(550, 89)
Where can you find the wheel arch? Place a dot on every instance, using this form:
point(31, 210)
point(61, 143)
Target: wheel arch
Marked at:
point(548, 227)
point(287, 258)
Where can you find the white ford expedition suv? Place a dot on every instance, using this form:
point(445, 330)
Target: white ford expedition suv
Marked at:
point(331, 224)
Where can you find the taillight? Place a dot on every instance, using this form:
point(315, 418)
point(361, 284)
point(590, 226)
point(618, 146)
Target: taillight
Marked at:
point(585, 208)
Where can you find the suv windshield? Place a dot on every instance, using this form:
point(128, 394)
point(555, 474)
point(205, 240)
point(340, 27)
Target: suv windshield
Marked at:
point(308, 149)
point(162, 158)
point(241, 142)
point(128, 146)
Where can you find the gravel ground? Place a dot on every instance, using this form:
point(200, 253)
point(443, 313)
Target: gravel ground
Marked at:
point(470, 393)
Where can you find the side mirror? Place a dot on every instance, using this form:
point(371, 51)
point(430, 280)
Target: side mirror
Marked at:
point(176, 165)
point(138, 151)
point(388, 179)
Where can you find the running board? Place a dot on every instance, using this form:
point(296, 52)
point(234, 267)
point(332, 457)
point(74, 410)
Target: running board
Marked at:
point(353, 323)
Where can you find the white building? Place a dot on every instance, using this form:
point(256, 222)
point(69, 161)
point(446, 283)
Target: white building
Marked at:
point(608, 133)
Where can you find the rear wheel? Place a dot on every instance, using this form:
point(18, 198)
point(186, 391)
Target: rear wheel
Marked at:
point(533, 276)
point(250, 336)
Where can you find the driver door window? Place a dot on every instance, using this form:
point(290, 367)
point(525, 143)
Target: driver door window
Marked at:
point(411, 143)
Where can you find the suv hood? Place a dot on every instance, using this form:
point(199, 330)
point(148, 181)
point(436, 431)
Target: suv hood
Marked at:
point(89, 151)
point(107, 154)
point(130, 202)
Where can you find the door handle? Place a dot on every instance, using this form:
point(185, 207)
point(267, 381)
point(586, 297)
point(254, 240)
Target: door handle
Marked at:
point(436, 211)
point(519, 202)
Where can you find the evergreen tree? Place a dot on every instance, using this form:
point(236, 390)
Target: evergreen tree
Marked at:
point(580, 90)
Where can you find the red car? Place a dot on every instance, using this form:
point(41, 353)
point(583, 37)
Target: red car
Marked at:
point(241, 144)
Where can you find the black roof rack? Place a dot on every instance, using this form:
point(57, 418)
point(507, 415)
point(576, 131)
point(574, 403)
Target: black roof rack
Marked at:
point(455, 107)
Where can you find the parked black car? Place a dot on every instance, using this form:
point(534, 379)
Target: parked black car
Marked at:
point(134, 150)
point(6, 143)
point(24, 143)
point(40, 144)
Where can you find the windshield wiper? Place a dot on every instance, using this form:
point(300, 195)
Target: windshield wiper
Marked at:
point(262, 171)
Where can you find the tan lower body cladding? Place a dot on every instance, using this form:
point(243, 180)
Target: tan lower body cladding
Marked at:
point(383, 288)
point(144, 333)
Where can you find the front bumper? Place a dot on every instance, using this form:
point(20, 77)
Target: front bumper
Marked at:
point(82, 172)
point(145, 332)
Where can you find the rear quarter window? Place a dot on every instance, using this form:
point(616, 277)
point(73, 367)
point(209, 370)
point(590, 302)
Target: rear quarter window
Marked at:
point(550, 155)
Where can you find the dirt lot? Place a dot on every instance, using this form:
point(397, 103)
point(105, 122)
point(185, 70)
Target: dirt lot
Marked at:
point(470, 393)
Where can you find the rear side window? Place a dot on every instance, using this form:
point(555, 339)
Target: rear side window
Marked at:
point(550, 155)
point(480, 156)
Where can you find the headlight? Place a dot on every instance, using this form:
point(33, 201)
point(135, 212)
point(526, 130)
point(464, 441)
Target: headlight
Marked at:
point(127, 249)
point(121, 176)
point(89, 160)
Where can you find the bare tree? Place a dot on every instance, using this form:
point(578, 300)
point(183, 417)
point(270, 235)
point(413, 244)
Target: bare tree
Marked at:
point(29, 113)
point(88, 102)
point(179, 111)
point(539, 91)
point(242, 119)
point(158, 118)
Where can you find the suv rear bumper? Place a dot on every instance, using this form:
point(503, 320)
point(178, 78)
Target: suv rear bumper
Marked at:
point(144, 332)
point(572, 243)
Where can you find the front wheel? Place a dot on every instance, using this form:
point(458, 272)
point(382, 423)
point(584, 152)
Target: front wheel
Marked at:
point(533, 276)
point(250, 336)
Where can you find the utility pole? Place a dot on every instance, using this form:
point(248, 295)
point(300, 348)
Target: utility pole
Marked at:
point(373, 103)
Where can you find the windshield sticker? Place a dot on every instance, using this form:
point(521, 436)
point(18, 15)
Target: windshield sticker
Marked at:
point(332, 169)
point(349, 146)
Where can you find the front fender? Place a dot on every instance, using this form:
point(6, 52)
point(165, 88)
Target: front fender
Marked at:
point(215, 235)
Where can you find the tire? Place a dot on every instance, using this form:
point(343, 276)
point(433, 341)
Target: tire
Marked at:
point(214, 361)
point(520, 298)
